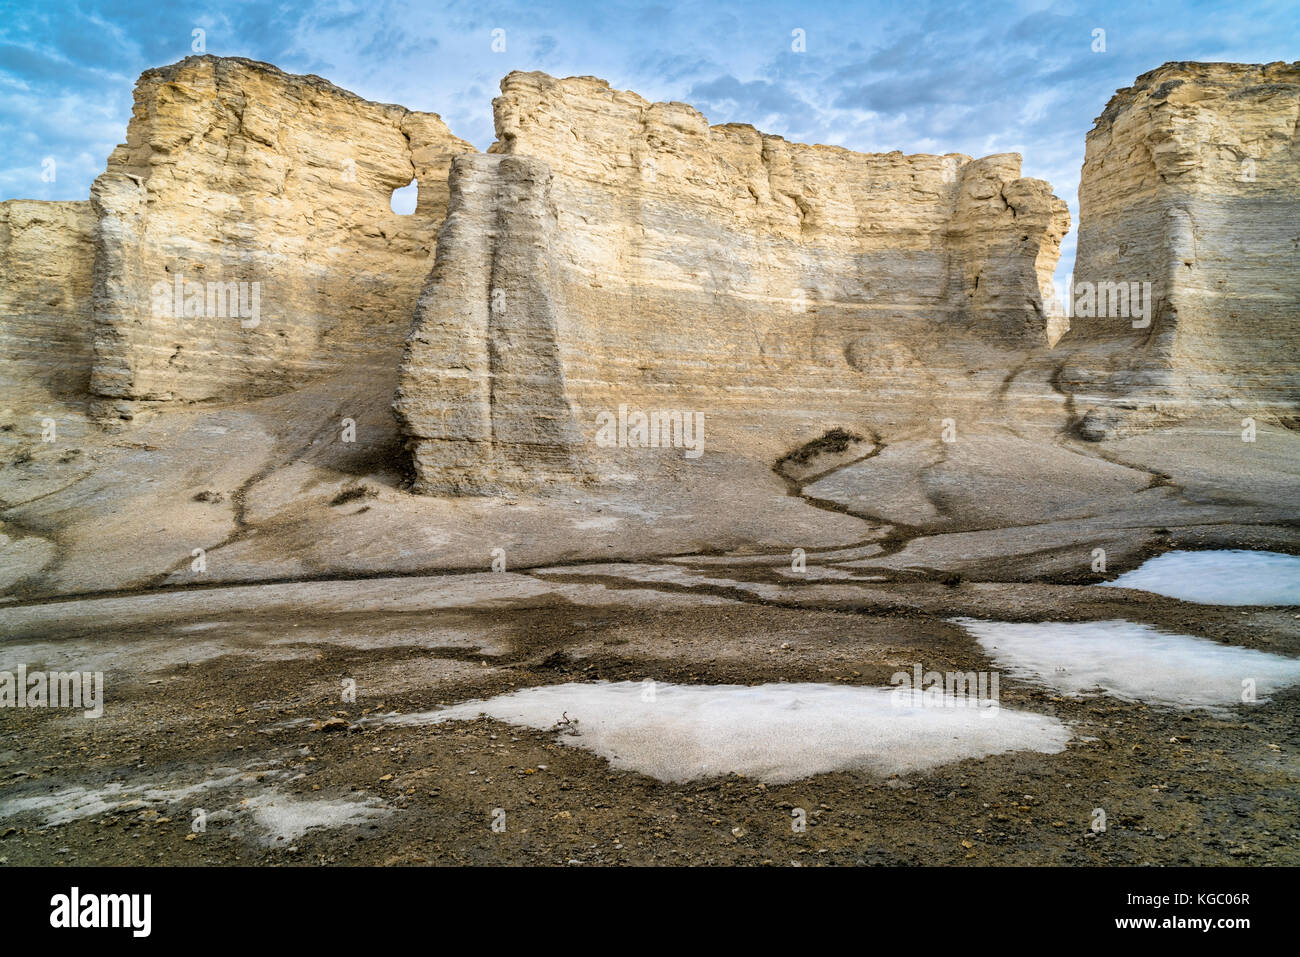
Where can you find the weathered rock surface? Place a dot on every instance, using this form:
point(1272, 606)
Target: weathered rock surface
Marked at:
point(234, 172)
point(673, 265)
point(46, 271)
point(612, 256)
point(1191, 182)
point(484, 390)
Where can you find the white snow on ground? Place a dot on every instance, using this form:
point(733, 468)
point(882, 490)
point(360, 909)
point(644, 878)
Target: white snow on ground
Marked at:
point(1132, 661)
point(1219, 577)
point(285, 816)
point(74, 803)
point(274, 814)
point(772, 732)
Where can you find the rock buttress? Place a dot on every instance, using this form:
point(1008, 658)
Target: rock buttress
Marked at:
point(482, 396)
point(1005, 239)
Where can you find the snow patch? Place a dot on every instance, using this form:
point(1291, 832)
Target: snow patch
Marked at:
point(772, 732)
point(284, 817)
point(1219, 577)
point(1132, 661)
point(75, 803)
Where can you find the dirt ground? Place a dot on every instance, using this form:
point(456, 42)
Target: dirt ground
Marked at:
point(249, 697)
point(1177, 787)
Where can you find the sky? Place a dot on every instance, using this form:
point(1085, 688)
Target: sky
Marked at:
point(976, 78)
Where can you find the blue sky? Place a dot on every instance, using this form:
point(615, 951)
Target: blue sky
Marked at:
point(975, 78)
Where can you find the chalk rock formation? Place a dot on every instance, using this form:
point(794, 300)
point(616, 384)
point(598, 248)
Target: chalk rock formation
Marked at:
point(46, 271)
point(484, 389)
point(1191, 183)
point(240, 183)
point(612, 256)
point(675, 265)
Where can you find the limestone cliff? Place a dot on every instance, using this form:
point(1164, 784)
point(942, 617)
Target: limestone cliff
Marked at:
point(241, 183)
point(1191, 183)
point(718, 269)
point(46, 270)
point(612, 253)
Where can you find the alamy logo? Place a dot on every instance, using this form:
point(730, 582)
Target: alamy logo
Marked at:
point(103, 910)
point(53, 689)
point(673, 429)
point(938, 689)
point(214, 300)
point(1106, 300)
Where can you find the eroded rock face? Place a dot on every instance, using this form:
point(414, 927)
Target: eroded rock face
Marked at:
point(46, 271)
point(1191, 184)
point(272, 191)
point(717, 270)
point(483, 396)
point(613, 257)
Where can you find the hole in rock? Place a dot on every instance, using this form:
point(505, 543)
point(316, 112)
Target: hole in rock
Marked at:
point(404, 198)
